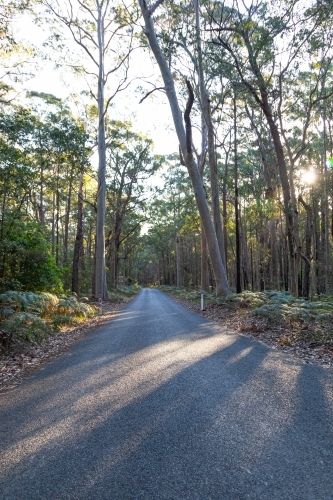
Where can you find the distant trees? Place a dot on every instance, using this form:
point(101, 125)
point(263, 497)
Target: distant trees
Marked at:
point(169, 252)
point(251, 93)
point(278, 66)
point(130, 164)
point(48, 194)
point(102, 29)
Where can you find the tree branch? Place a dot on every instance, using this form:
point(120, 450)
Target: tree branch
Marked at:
point(148, 93)
point(187, 119)
point(154, 7)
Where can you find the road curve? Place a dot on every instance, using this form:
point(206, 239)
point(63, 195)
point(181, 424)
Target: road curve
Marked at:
point(161, 404)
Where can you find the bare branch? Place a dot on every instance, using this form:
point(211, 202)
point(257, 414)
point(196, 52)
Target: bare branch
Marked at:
point(148, 93)
point(154, 7)
point(187, 119)
point(181, 159)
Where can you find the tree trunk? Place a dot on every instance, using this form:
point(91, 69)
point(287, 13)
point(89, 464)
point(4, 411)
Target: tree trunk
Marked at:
point(41, 201)
point(206, 111)
point(53, 224)
point(224, 204)
point(273, 252)
point(237, 229)
point(204, 262)
point(67, 213)
point(100, 274)
point(245, 258)
point(57, 218)
point(290, 210)
point(222, 287)
point(178, 283)
point(308, 242)
point(78, 239)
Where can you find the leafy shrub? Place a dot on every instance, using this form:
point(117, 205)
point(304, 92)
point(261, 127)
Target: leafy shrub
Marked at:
point(270, 312)
point(325, 317)
point(26, 326)
point(24, 301)
point(9, 284)
point(26, 314)
point(29, 264)
point(70, 306)
point(116, 296)
point(61, 320)
point(128, 290)
point(282, 307)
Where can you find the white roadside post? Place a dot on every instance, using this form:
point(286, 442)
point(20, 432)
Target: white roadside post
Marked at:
point(202, 302)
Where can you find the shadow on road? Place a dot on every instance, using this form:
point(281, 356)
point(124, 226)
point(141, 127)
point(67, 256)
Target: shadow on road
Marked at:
point(187, 414)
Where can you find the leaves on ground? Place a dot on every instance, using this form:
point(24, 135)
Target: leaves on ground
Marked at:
point(19, 358)
point(301, 327)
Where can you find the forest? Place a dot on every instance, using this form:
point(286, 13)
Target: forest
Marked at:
point(245, 204)
point(166, 249)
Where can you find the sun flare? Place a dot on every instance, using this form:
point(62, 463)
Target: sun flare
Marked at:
point(309, 177)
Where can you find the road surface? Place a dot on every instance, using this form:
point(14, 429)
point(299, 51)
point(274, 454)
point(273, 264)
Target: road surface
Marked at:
point(162, 404)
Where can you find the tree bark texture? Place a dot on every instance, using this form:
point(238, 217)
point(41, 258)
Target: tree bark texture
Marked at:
point(101, 291)
point(308, 242)
point(222, 287)
point(206, 111)
point(237, 225)
point(78, 239)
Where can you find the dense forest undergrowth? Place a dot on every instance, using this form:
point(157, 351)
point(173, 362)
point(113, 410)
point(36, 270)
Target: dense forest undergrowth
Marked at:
point(246, 203)
point(35, 328)
point(300, 327)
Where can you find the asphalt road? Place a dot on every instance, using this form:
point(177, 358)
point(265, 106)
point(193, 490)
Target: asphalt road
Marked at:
point(161, 404)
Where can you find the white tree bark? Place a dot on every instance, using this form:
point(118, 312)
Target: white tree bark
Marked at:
point(101, 291)
point(222, 287)
point(94, 26)
point(206, 111)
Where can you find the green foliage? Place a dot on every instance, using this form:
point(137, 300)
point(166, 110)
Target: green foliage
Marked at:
point(190, 295)
point(38, 270)
point(31, 316)
point(24, 302)
point(173, 290)
point(28, 263)
point(281, 307)
point(71, 306)
point(26, 326)
point(129, 290)
point(60, 320)
point(114, 295)
point(246, 299)
point(275, 307)
point(122, 291)
point(42, 151)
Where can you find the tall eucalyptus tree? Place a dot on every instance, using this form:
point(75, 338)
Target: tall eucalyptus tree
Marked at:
point(102, 29)
point(265, 48)
point(184, 134)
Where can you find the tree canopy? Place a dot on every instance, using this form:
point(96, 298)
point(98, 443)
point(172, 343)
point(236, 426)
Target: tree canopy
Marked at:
point(246, 203)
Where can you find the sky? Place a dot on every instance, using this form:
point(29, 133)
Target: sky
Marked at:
point(152, 116)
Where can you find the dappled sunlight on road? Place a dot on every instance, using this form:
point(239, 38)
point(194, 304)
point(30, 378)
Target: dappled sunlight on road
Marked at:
point(105, 392)
point(240, 355)
point(178, 405)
